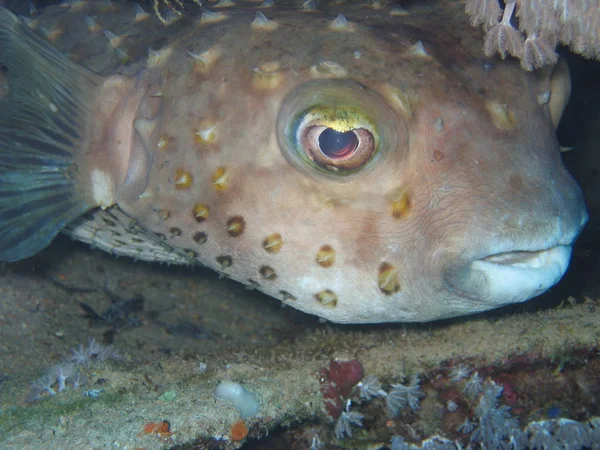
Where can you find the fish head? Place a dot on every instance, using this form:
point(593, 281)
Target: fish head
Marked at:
point(365, 172)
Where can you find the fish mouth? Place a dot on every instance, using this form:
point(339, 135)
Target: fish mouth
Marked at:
point(510, 276)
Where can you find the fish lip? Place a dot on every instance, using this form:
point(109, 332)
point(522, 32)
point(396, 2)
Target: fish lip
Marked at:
point(525, 259)
point(510, 276)
point(506, 271)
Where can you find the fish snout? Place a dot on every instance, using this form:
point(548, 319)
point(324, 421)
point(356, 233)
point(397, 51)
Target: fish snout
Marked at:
point(515, 269)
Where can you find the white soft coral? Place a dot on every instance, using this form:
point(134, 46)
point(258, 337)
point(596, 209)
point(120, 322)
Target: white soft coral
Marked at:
point(504, 38)
point(544, 23)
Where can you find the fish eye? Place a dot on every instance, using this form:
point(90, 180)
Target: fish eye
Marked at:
point(335, 128)
point(336, 140)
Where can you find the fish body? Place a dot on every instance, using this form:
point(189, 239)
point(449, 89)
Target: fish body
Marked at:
point(365, 167)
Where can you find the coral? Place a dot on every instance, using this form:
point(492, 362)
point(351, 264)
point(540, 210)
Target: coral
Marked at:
point(401, 396)
point(593, 431)
point(483, 12)
point(433, 443)
point(557, 434)
point(451, 406)
point(495, 421)
point(398, 443)
point(531, 29)
point(343, 426)
point(62, 373)
point(52, 382)
point(537, 52)
point(44, 384)
point(459, 372)
point(370, 387)
point(503, 38)
point(473, 386)
point(57, 378)
point(83, 356)
point(316, 443)
point(560, 433)
point(466, 427)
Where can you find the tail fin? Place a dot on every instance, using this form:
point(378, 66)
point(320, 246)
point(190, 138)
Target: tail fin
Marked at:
point(42, 116)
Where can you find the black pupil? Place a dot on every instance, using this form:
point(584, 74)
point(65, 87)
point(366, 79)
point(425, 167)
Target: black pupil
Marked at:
point(336, 145)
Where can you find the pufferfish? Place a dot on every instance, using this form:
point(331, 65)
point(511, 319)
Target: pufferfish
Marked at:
point(360, 163)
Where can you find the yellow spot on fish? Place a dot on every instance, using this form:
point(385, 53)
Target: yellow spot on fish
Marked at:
point(201, 212)
point(107, 7)
point(172, 17)
point(273, 243)
point(183, 179)
point(418, 51)
point(261, 23)
point(91, 25)
point(400, 203)
point(327, 298)
point(140, 14)
point(309, 5)
point(203, 62)
point(267, 273)
point(220, 178)
point(212, 17)
point(398, 100)
point(158, 58)
point(326, 256)
point(77, 5)
point(53, 34)
point(122, 55)
point(191, 253)
point(388, 279)
point(164, 214)
point(340, 23)
point(235, 226)
point(224, 4)
point(33, 24)
point(200, 237)
point(267, 76)
point(164, 142)
point(501, 115)
point(266, 4)
point(398, 10)
point(114, 39)
point(287, 297)
point(328, 69)
point(225, 261)
point(206, 133)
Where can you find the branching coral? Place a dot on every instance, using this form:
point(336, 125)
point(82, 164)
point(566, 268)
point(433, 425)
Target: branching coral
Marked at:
point(531, 29)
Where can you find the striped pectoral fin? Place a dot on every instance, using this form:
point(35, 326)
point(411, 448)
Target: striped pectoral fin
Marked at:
point(44, 108)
